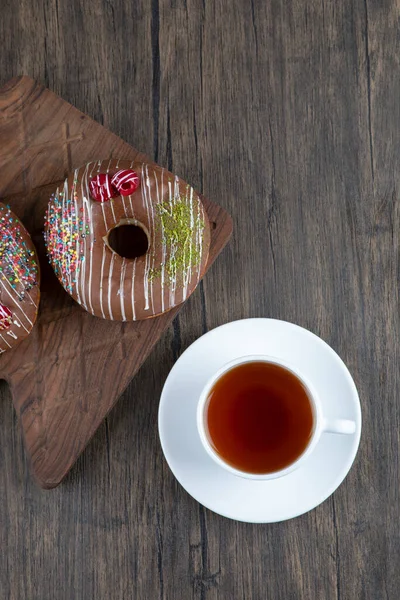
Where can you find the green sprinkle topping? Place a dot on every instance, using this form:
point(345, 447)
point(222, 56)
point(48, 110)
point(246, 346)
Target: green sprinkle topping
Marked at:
point(180, 225)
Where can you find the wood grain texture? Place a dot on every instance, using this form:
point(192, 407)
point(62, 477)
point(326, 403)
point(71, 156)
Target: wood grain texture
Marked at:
point(68, 374)
point(288, 115)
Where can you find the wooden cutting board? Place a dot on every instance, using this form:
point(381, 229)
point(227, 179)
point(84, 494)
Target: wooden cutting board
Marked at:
point(68, 374)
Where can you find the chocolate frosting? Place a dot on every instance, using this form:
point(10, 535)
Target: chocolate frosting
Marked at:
point(19, 281)
point(77, 234)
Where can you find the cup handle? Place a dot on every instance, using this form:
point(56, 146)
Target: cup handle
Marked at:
point(341, 426)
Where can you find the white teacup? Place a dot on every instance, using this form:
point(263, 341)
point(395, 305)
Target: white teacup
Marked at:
point(321, 424)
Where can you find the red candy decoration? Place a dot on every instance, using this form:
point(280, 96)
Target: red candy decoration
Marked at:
point(101, 188)
point(125, 181)
point(5, 317)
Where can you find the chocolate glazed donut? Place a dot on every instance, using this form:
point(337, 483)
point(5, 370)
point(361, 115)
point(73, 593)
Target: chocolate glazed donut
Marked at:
point(19, 281)
point(127, 240)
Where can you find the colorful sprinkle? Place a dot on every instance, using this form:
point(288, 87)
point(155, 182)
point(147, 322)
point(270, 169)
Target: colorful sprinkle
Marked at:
point(64, 229)
point(17, 261)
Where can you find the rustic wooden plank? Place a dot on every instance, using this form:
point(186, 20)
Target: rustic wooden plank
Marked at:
point(287, 114)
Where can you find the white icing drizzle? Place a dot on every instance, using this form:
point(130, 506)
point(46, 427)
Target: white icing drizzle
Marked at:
point(101, 280)
point(102, 203)
point(191, 233)
point(109, 285)
point(91, 276)
point(77, 272)
point(130, 197)
point(147, 260)
point(172, 250)
point(87, 179)
point(133, 290)
point(12, 334)
point(152, 232)
point(82, 259)
point(32, 300)
point(170, 192)
point(57, 195)
point(65, 249)
point(88, 204)
point(19, 323)
point(176, 188)
point(111, 200)
point(162, 240)
point(199, 237)
point(112, 210)
point(186, 263)
point(121, 289)
point(187, 269)
point(104, 216)
point(16, 302)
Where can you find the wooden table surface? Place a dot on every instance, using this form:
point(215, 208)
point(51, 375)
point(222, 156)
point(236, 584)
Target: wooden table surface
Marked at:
point(286, 113)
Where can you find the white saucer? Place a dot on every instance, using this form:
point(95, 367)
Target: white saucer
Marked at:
point(245, 499)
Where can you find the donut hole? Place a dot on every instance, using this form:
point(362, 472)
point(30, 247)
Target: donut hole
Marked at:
point(128, 241)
